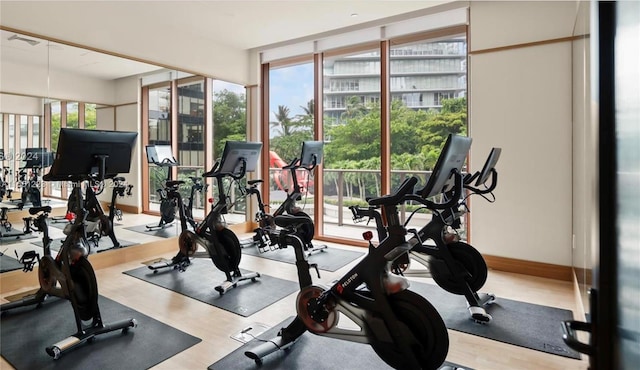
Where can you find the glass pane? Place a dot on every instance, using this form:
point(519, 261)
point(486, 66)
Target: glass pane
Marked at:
point(230, 123)
point(55, 134)
point(11, 153)
point(351, 106)
point(55, 124)
point(36, 131)
point(90, 121)
point(428, 102)
point(191, 138)
point(72, 115)
point(24, 133)
point(159, 134)
point(291, 108)
point(160, 116)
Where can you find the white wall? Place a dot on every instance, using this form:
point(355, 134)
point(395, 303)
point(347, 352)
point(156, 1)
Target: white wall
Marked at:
point(32, 81)
point(521, 100)
point(125, 116)
point(16, 104)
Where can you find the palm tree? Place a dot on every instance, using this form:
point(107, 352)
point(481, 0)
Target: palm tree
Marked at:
point(305, 120)
point(354, 108)
point(283, 121)
point(310, 108)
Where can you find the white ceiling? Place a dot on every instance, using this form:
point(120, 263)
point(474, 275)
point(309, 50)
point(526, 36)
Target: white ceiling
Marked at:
point(119, 27)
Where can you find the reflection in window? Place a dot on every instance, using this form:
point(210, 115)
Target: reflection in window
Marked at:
point(160, 115)
point(35, 122)
point(12, 134)
point(55, 124)
point(72, 115)
point(191, 138)
point(24, 133)
point(90, 120)
point(191, 124)
point(230, 123)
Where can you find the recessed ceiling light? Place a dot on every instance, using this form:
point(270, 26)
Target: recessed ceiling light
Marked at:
point(353, 15)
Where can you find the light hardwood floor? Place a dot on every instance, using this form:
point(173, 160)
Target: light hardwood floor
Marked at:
point(215, 326)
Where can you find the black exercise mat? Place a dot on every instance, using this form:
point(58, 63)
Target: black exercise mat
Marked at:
point(330, 259)
point(200, 279)
point(167, 232)
point(310, 352)
point(54, 203)
point(7, 263)
point(522, 324)
point(26, 332)
point(104, 244)
point(16, 237)
point(62, 225)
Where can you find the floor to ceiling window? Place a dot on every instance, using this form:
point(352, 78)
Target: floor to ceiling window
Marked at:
point(387, 108)
point(72, 115)
point(428, 102)
point(190, 129)
point(230, 124)
point(62, 114)
point(17, 133)
point(90, 119)
point(291, 121)
point(158, 113)
point(351, 93)
point(195, 116)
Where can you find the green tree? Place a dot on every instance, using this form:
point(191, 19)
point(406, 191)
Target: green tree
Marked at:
point(283, 121)
point(90, 119)
point(354, 108)
point(229, 119)
point(293, 131)
point(416, 141)
point(55, 130)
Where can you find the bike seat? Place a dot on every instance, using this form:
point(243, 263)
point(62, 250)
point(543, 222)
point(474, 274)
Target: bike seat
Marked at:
point(251, 182)
point(36, 210)
point(118, 179)
point(174, 183)
point(292, 220)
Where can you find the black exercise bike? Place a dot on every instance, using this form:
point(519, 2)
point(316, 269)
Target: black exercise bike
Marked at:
point(402, 327)
point(162, 156)
point(185, 212)
point(455, 266)
point(4, 184)
point(266, 236)
point(97, 223)
point(221, 243)
point(68, 274)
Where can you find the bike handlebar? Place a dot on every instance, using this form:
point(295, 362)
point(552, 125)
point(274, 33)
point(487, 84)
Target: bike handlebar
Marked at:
point(293, 164)
point(405, 188)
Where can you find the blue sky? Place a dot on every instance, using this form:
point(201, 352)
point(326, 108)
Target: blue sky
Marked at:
point(292, 87)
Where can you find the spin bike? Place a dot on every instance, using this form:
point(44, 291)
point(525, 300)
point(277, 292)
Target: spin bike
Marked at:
point(99, 224)
point(69, 275)
point(4, 185)
point(222, 244)
point(161, 156)
point(402, 327)
point(181, 261)
point(266, 236)
point(36, 160)
point(455, 266)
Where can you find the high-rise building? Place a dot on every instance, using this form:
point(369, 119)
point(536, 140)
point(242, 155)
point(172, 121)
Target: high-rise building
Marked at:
point(421, 76)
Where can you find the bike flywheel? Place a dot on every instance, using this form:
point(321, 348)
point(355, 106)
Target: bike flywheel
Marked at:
point(316, 319)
